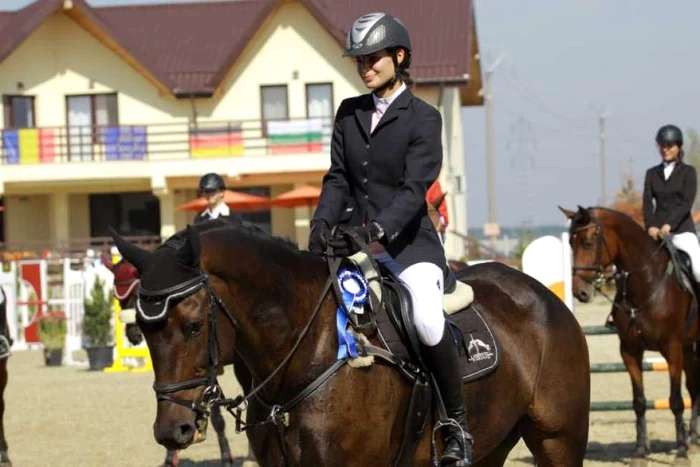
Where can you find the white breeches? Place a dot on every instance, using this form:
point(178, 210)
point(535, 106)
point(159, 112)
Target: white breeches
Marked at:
point(425, 282)
point(688, 242)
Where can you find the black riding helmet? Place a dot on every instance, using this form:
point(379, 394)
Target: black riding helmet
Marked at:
point(211, 182)
point(669, 134)
point(373, 32)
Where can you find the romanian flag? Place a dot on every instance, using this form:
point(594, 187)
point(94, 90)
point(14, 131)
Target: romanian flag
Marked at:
point(216, 142)
point(28, 146)
point(295, 136)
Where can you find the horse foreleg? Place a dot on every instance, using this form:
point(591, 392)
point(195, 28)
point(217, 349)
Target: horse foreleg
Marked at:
point(220, 426)
point(632, 357)
point(674, 357)
point(692, 383)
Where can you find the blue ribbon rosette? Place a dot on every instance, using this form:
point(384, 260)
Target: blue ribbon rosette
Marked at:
point(355, 294)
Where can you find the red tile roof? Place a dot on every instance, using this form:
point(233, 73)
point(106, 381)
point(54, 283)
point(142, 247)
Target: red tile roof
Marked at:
point(188, 48)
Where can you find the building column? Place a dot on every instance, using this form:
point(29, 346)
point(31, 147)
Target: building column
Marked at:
point(453, 177)
point(302, 222)
point(159, 187)
point(59, 219)
point(167, 214)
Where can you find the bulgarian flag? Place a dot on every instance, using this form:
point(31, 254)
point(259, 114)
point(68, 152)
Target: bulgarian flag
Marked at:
point(295, 136)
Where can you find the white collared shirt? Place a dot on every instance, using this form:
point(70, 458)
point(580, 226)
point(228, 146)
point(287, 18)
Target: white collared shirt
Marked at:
point(381, 104)
point(220, 210)
point(668, 169)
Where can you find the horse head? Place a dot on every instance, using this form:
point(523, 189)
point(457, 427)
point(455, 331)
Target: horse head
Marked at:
point(176, 313)
point(595, 247)
point(126, 287)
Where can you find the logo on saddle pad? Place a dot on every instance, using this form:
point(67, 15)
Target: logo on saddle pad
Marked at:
point(478, 350)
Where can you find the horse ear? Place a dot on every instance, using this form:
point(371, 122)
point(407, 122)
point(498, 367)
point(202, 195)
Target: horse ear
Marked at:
point(107, 262)
point(135, 255)
point(569, 214)
point(188, 253)
point(584, 215)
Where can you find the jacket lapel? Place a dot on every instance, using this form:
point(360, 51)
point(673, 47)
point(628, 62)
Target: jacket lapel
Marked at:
point(396, 107)
point(676, 168)
point(363, 114)
point(660, 172)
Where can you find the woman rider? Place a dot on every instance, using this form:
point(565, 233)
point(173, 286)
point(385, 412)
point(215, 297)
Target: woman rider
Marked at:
point(386, 152)
point(669, 193)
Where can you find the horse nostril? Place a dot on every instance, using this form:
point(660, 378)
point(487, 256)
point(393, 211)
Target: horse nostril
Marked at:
point(184, 433)
point(584, 295)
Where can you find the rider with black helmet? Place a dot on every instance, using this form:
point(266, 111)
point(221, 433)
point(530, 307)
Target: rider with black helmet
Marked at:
point(672, 186)
point(212, 189)
point(386, 152)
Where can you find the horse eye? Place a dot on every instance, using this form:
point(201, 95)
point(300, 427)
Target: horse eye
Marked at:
point(193, 329)
point(588, 244)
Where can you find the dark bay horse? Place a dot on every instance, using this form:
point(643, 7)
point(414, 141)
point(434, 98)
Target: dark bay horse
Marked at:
point(126, 287)
point(5, 330)
point(211, 297)
point(651, 310)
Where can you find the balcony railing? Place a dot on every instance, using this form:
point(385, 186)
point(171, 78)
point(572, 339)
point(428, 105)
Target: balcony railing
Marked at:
point(169, 141)
point(75, 247)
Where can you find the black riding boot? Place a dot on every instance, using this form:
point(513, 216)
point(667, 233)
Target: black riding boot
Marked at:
point(443, 360)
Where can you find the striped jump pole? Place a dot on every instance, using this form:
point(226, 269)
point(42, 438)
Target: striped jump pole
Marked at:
point(658, 404)
point(648, 365)
point(596, 330)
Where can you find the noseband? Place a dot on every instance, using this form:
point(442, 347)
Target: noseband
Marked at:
point(160, 301)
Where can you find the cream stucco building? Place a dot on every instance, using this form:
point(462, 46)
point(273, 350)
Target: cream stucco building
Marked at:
point(111, 115)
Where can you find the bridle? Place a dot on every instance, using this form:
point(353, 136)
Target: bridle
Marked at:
point(163, 299)
point(213, 395)
point(598, 267)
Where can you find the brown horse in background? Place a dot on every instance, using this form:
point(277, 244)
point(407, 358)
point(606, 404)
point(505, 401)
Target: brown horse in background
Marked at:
point(5, 330)
point(211, 297)
point(126, 287)
point(652, 311)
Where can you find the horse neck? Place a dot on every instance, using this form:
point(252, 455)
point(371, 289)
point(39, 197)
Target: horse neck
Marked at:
point(270, 323)
point(639, 255)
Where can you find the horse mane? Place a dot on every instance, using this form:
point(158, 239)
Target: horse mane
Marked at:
point(633, 224)
point(580, 217)
point(176, 240)
point(269, 248)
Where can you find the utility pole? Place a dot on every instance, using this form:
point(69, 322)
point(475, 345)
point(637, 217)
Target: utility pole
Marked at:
point(524, 164)
point(602, 112)
point(491, 228)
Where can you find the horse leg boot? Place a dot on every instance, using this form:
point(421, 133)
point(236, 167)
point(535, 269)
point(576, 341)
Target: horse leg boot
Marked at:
point(443, 360)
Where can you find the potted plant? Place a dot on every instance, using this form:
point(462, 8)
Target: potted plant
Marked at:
point(52, 333)
point(97, 327)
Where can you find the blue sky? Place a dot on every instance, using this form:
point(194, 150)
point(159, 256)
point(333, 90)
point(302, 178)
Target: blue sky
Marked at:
point(637, 57)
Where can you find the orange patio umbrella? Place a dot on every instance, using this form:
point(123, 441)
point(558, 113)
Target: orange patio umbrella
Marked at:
point(306, 195)
point(234, 199)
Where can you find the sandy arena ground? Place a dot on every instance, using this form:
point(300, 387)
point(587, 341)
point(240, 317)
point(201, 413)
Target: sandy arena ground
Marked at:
point(69, 416)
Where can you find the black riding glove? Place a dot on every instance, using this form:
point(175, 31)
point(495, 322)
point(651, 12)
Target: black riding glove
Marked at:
point(343, 243)
point(318, 237)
